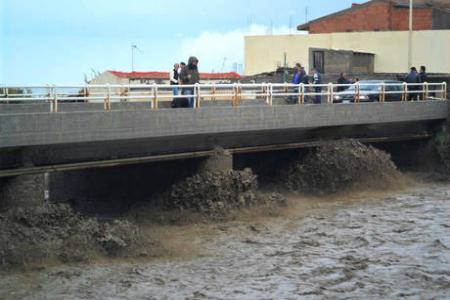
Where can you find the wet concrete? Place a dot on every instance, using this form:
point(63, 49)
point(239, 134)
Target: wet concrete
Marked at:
point(382, 247)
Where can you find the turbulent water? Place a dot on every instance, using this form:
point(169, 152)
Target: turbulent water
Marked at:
point(379, 247)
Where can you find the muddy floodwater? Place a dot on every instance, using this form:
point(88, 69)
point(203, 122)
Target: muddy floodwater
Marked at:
point(395, 245)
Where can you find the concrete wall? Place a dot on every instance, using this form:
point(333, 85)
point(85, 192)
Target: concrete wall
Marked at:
point(46, 129)
point(430, 48)
point(348, 62)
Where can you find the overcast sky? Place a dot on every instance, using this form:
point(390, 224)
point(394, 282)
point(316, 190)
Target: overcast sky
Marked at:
point(58, 41)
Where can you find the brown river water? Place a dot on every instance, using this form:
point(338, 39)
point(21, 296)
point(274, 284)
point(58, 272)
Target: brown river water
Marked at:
point(358, 246)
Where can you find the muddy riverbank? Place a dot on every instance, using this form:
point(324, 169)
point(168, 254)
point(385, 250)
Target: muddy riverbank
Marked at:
point(344, 223)
point(387, 245)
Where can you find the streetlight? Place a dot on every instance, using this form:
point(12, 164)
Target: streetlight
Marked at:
point(133, 48)
point(410, 33)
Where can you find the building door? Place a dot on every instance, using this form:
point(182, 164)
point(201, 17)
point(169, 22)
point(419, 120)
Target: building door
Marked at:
point(318, 61)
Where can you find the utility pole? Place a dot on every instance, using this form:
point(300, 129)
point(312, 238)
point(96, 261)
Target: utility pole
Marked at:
point(133, 48)
point(410, 33)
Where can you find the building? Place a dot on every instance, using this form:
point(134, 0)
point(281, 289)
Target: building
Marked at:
point(384, 15)
point(366, 38)
point(117, 77)
point(137, 78)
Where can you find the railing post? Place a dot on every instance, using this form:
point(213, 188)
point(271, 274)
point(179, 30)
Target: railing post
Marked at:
point(405, 92)
point(425, 90)
point(50, 97)
point(266, 92)
point(107, 103)
point(197, 95)
point(382, 92)
point(213, 92)
point(239, 93)
point(270, 94)
point(445, 90)
point(263, 90)
point(357, 92)
point(301, 92)
point(6, 94)
point(235, 95)
point(330, 92)
point(155, 97)
point(55, 99)
point(85, 94)
point(122, 93)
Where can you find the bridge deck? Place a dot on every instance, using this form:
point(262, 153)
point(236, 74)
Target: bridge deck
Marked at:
point(44, 138)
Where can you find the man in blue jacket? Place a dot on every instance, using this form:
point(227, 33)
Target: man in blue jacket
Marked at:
point(299, 74)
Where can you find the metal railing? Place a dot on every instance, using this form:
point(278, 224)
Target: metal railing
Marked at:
point(160, 95)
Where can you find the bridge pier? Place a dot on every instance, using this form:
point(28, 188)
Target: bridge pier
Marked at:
point(24, 191)
point(221, 160)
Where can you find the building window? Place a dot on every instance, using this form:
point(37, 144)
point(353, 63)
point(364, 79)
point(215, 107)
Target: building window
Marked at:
point(318, 61)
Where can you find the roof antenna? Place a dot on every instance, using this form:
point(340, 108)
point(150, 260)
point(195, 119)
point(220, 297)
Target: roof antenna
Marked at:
point(306, 14)
point(291, 22)
point(223, 63)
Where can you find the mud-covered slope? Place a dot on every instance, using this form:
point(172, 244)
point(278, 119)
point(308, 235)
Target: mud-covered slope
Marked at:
point(337, 166)
point(56, 233)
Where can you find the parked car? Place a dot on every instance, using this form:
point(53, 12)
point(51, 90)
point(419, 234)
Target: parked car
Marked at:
point(370, 91)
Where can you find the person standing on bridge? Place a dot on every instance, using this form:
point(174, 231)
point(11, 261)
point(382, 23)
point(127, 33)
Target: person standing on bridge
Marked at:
point(174, 74)
point(342, 80)
point(412, 78)
point(317, 79)
point(190, 75)
point(423, 76)
point(181, 67)
point(299, 74)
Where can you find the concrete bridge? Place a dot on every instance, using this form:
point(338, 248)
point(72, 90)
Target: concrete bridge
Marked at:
point(34, 140)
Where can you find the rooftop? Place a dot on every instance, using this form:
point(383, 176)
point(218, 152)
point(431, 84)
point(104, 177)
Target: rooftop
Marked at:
point(441, 4)
point(165, 75)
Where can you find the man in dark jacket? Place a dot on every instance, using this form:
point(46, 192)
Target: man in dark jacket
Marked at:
point(342, 80)
point(423, 77)
point(412, 77)
point(190, 75)
point(423, 74)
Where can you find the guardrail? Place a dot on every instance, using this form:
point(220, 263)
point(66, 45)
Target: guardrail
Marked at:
point(235, 94)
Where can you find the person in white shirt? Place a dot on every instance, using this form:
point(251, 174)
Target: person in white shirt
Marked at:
point(174, 75)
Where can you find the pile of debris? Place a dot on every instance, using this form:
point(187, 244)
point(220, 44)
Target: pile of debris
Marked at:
point(55, 232)
point(442, 143)
point(339, 165)
point(216, 194)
